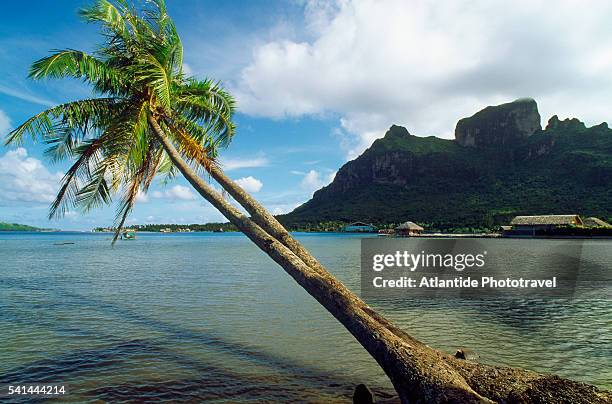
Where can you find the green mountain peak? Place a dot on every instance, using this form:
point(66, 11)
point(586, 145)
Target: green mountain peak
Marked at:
point(501, 164)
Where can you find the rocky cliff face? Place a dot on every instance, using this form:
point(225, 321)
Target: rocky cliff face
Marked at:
point(389, 159)
point(504, 124)
point(502, 164)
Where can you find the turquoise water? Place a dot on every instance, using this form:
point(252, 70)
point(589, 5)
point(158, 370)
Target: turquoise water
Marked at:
point(207, 316)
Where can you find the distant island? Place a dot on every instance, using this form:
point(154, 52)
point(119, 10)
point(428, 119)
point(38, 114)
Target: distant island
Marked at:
point(175, 228)
point(501, 164)
point(20, 227)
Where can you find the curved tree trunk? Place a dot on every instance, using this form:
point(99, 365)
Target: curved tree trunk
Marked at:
point(420, 374)
point(270, 224)
point(426, 379)
point(263, 218)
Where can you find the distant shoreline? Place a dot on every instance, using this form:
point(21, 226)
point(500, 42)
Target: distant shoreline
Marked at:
point(368, 234)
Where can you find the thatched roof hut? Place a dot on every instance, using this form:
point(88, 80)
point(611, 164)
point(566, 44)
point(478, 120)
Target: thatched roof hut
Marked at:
point(409, 226)
point(409, 229)
point(547, 220)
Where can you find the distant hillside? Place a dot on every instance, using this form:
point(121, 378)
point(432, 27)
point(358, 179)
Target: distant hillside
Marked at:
point(18, 227)
point(501, 164)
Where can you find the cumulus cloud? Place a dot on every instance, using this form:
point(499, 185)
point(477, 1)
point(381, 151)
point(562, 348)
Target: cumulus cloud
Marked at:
point(314, 180)
point(177, 192)
point(425, 64)
point(180, 192)
point(26, 179)
point(250, 184)
point(229, 164)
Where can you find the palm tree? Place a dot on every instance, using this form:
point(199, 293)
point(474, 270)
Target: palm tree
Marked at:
point(147, 117)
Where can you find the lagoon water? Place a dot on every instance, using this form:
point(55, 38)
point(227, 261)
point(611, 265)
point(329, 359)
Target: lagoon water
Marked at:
point(207, 316)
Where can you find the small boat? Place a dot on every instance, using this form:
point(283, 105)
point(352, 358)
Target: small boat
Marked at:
point(128, 235)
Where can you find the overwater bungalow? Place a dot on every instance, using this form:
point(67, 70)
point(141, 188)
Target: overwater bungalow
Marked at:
point(409, 229)
point(359, 227)
point(532, 225)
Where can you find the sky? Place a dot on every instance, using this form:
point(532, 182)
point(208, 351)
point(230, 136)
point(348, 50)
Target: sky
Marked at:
point(316, 83)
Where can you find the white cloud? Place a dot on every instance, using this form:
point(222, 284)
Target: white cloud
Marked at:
point(314, 180)
point(250, 184)
point(142, 197)
point(180, 192)
point(229, 164)
point(26, 179)
point(5, 124)
point(177, 192)
point(284, 208)
point(425, 64)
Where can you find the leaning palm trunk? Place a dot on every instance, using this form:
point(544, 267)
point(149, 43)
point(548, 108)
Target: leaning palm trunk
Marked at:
point(419, 373)
point(272, 226)
point(262, 217)
point(415, 370)
point(119, 145)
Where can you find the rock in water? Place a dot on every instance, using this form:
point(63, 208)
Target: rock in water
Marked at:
point(504, 124)
point(467, 354)
point(363, 395)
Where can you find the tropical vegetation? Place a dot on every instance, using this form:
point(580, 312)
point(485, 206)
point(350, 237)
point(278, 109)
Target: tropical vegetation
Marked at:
point(18, 227)
point(147, 117)
point(564, 169)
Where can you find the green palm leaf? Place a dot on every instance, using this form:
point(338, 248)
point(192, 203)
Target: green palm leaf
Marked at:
point(138, 74)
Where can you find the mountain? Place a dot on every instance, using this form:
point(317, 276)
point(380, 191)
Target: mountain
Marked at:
point(501, 164)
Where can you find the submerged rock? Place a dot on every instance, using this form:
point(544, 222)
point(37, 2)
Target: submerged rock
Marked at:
point(363, 395)
point(466, 353)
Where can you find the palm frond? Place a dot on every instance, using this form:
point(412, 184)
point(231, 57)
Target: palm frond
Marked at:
point(79, 172)
point(75, 118)
point(207, 103)
point(139, 70)
point(111, 17)
point(133, 187)
point(62, 146)
point(96, 192)
point(191, 148)
point(148, 72)
point(127, 204)
point(78, 64)
point(166, 169)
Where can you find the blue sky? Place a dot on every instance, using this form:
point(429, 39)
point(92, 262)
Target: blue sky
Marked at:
point(317, 82)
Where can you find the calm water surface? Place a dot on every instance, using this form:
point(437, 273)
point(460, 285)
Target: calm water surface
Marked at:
point(209, 317)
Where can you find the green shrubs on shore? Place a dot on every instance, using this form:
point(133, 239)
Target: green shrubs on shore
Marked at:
point(18, 227)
